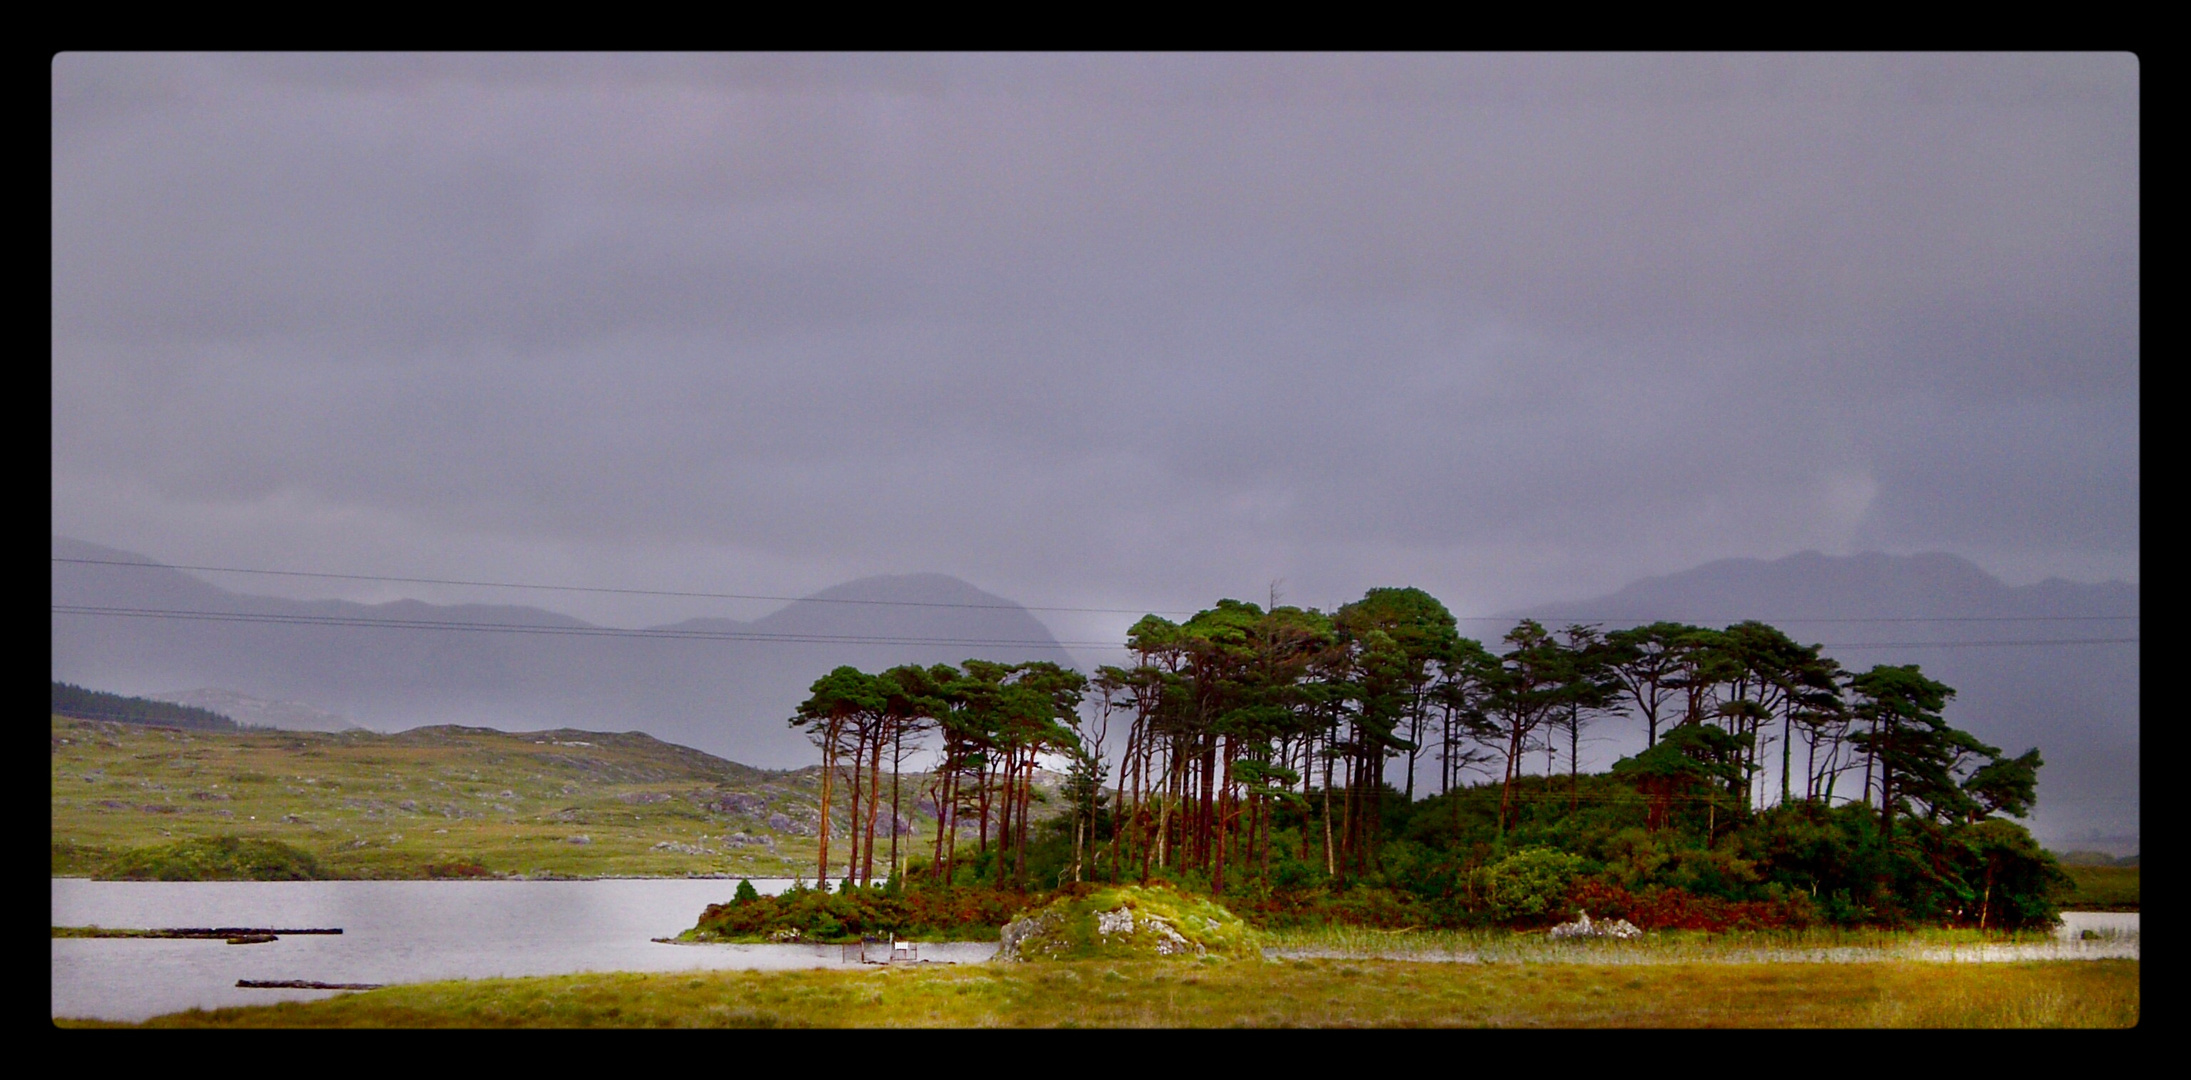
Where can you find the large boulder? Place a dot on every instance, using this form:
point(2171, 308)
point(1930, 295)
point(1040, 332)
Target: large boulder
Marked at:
point(1127, 923)
point(1618, 929)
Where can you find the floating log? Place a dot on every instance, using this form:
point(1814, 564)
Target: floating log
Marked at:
point(240, 931)
point(259, 933)
point(302, 984)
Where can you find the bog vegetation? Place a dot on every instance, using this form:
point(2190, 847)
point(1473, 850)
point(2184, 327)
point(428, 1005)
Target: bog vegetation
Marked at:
point(1300, 993)
point(131, 800)
point(1372, 766)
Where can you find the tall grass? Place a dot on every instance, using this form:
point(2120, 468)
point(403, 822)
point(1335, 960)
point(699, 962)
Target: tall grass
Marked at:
point(1291, 993)
point(1813, 945)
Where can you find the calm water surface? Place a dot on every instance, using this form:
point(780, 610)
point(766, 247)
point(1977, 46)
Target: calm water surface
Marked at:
point(417, 931)
point(392, 931)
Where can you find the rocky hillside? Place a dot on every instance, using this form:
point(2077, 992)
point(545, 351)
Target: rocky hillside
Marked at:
point(442, 801)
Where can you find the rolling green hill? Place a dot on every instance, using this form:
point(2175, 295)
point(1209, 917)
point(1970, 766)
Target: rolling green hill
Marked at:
point(437, 801)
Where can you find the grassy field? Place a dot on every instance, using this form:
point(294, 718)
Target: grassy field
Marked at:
point(2103, 888)
point(430, 802)
point(1297, 993)
point(1656, 948)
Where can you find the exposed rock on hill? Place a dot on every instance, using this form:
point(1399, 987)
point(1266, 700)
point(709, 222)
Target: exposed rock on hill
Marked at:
point(1127, 922)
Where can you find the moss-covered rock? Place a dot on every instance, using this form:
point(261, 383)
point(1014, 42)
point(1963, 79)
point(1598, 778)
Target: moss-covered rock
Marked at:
point(1128, 922)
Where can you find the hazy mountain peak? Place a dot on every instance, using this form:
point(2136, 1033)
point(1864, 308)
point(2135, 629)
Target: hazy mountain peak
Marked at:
point(68, 547)
point(1810, 585)
point(727, 689)
point(912, 589)
point(2052, 665)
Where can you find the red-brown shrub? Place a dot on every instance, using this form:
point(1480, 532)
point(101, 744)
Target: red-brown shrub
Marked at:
point(1659, 907)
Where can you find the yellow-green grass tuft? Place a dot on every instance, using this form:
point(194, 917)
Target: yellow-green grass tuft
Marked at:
point(1154, 993)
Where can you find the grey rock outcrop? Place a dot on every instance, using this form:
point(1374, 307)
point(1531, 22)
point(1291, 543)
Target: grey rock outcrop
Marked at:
point(1618, 929)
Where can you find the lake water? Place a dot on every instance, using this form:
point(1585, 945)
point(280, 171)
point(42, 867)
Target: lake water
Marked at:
point(418, 931)
point(2107, 924)
point(392, 931)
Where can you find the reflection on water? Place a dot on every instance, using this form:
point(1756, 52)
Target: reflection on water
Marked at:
point(393, 931)
point(2103, 924)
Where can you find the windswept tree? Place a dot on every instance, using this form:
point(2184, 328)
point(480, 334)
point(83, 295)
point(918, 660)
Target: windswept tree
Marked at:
point(2003, 785)
point(1463, 689)
point(1590, 688)
point(1703, 661)
point(1006, 717)
point(1811, 683)
point(1525, 691)
point(1821, 710)
point(1691, 757)
point(1426, 636)
point(1764, 676)
point(1228, 711)
point(839, 704)
point(961, 766)
point(1040, 719)
point(1909, 744)
point(1647, 662)
point(915, 700)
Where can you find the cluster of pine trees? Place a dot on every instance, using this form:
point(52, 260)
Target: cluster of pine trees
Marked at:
point(994, 722)
point(74, 701)
point(1260, 749)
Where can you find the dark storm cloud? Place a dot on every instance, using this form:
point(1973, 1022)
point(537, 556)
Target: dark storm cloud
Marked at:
point(1143, 330)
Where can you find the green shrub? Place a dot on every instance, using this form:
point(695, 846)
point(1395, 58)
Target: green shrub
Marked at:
point(1530, 886)
point(961, 914)
point(223, 858)
point(73, 859)
point(1384, 909)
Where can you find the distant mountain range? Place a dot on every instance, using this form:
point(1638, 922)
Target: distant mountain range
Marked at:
point(718, 685)
point(2076, 699)
point(727, 687)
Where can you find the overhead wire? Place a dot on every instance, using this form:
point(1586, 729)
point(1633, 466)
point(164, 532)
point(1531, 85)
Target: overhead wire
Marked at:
point(674, 633)
point(693, 594)
point(625, 592)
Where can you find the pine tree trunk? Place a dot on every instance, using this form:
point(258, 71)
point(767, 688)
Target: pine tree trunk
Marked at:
point(1331, 868)
point(897, 762)
point(829, 769)
point(874, 808)
point(1574, 756)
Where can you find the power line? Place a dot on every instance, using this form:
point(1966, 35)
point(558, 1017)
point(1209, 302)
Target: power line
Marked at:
point(809, 638)
point(595, 589)
point(1964, 644)
point(1841, 619)
point(560, 631)
point(990, 607)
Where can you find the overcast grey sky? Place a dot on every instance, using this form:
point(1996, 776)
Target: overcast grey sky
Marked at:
point(1115, 330)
